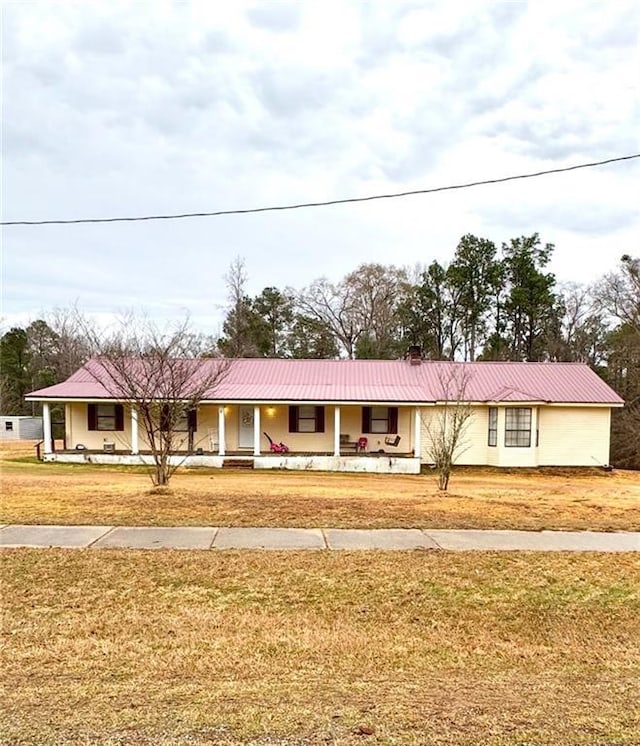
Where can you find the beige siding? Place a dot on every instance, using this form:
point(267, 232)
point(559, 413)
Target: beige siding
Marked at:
point(472, 449)
point(78, 432)
point(568, 436)
point(376, 440)
point(574, 436)
point(273, 420)
point(474, 441)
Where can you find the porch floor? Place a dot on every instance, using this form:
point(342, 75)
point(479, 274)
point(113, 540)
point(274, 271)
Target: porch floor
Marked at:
point(383, 463)
point(247, 453)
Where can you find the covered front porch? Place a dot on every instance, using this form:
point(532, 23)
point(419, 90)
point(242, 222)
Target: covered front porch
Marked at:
point(333, 437)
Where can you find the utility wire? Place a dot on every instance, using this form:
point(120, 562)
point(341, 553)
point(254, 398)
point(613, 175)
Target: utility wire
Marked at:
point(302, 205)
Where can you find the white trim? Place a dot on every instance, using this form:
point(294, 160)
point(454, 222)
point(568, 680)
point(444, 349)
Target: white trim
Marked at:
point(417, 433)
point(336, 430)
point(320, 402)
point(244, 402)
point(256, 430)
point(135, 444)
point(598, 405)
point(46, 424)
point(348, 403)
point(222, 438)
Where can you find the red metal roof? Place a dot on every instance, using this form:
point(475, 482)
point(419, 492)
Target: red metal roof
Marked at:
point(385, 381)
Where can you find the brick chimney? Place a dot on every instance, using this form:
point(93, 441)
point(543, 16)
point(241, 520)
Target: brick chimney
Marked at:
point(415, 355)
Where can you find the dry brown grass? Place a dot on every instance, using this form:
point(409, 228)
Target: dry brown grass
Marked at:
point(425, 648)
point(478, 498)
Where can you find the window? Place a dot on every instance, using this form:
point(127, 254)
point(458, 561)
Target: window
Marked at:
point(8, 425)
point(493, 426)
point(379, 420)
point(517, 433)
point(105, 417)
point(184, 420)
point(306, 418)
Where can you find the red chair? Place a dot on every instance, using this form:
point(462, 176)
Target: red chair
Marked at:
point(361, 445)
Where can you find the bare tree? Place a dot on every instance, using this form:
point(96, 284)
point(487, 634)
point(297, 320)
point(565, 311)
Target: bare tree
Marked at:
point(619, 295)
point(619, 292)
point(334, 306)
point(162, 376)
point(444, 434)
point(238, 327)
point(582, 328)
point(376, 292)
point(73, 350)
point(360, 310)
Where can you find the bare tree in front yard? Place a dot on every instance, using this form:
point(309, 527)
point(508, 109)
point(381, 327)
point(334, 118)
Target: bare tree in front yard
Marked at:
point(162, 375)
point(444, 434)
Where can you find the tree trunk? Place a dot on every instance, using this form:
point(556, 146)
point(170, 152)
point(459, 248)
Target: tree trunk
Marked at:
point(443, 479)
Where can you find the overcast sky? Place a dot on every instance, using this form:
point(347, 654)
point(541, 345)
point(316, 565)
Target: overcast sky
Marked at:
point(122, 108)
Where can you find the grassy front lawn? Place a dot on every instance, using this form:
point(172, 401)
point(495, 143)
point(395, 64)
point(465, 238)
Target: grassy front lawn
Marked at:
point(305, 648)
point(478, 498)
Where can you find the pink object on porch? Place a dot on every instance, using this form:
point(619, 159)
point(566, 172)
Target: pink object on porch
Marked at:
point(276, 447)
point(362, 444)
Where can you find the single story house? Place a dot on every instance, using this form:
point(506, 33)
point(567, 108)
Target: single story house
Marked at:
point(20, 427)
point(354, 415)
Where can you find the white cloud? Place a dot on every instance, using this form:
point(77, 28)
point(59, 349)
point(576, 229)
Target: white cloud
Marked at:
point(123, 109)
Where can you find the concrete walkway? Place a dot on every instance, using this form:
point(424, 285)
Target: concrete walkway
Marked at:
point(110, 537)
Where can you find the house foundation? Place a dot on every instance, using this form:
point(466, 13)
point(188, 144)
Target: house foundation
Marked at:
point(379, 464)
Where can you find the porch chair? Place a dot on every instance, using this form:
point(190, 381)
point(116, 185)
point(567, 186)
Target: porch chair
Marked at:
point(361, 445)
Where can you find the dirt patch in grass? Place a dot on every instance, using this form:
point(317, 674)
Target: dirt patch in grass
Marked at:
point(478, 498)
point(304, 648)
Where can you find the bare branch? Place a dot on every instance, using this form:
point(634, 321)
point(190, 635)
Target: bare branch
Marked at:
point(445, 431)
point(160, 374)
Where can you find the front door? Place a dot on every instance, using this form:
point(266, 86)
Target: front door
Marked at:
point(245, 428)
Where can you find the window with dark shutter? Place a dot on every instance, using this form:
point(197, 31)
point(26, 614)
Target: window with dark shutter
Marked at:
point(393, 419)
point(319, 419)
point(165, 418)
point(379, 420)
point(293, 419)
point(176, 419)
point(192, 420)
point(306, 418)
point(119, 417)
point(91, 417)
point(105, 417)
point(366, 419)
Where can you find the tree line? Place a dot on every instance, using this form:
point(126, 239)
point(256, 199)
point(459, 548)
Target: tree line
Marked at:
point(486, 303)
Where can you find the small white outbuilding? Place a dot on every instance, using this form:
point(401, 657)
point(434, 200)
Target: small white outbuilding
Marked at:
point(20, 427)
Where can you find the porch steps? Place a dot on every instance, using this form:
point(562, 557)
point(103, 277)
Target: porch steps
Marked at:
point(237, 463)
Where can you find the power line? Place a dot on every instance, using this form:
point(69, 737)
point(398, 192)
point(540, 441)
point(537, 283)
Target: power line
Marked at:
point(302, 205)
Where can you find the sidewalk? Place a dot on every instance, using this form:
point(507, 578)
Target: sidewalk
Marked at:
point(110, 537)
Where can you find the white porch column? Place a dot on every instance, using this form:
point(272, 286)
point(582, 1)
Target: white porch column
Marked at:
point(417, 434)
point(256, 431)
point(135, 445)
point(221, 433)
point(46, 422)
point(336, 431)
